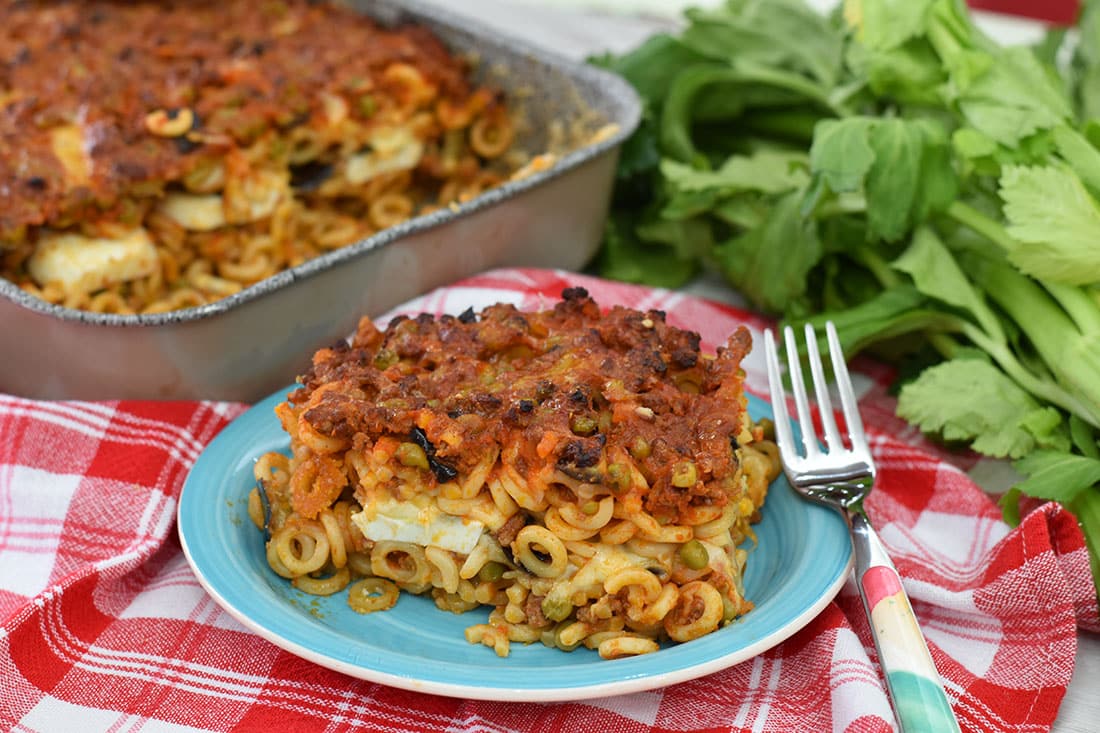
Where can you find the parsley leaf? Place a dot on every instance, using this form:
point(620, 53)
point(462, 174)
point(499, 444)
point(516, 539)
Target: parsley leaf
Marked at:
point(1056, 222)
point(971, 400)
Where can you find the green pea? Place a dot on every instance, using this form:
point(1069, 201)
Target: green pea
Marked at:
point(412, 455)
point(684, 475)
point(640, 448)
point(556, 609)
point(384, 359)
point(582, 425)
point(767, 428)
point(618, 477)
point(694, 555)
point(367, 105)
point(490, 572)
point(590, 508)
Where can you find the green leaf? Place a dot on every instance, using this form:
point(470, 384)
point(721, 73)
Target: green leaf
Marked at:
point(625, 257)
point(766, 171)
point(902, 165)
point(1010, 506)
point(1056, 222)
point(651, 67)
point(911, 175)
point(1057, 476)
point(894, 312)
point(887, 24)
point(841, 154)
point(769, 265)
point(936, 274)
point(677, 115)
point(1007, 95)
point(1079, 154)
point(690, 238)
point(779, 33)
point(971, 400)
point(1084, 440)
point(911, 74)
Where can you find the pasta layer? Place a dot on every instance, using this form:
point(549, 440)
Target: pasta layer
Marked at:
point(591, 476)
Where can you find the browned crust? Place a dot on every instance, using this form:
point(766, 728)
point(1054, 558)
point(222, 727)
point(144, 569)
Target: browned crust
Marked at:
point(525, 382)
point(246, 69)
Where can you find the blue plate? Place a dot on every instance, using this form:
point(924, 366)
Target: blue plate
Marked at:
point(802, 559)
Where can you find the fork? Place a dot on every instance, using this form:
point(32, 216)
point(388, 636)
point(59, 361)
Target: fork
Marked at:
point(842, 476)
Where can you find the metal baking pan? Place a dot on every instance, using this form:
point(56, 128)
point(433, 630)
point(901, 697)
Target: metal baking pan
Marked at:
point(247, 345)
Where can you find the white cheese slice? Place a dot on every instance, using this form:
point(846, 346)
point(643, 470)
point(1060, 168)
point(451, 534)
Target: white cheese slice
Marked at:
point(418, 524)
point(87, 264)
point(194, 212)
point(391, 150)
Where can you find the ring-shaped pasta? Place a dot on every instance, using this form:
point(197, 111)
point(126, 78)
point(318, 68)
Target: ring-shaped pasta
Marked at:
point(698, 611)
point(401, 562)
point(316, 441)
point(256, 509)
point(619, 532)
point(491, 134)
point(390, 209)
point(646, 583)
point(721, 524)
point(697, 515)
point(445, 572)
point(302, 547)
point(359, 563)
point(540, 551)
point(671, 533)
point(338, 551)
point(655, 612)
point(595, 520)
point(626, 646)
point(276, 564)
point(563, 529)
point(372, 594)
point(272, 467)
point(315, 484)
point(323, 586)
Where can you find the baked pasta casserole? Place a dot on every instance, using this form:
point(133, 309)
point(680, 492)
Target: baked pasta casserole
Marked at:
point(590, 476)
point(161, 155)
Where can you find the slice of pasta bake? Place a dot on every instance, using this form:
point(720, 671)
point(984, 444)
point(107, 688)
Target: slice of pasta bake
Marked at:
point(590, 476)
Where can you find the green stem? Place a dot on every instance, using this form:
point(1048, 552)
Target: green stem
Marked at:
point(759, 73)
point(943, 343)
point(967, 215)
point(1047, 391)
point(1080, 306)
point(1086, 507)
point(878, 267)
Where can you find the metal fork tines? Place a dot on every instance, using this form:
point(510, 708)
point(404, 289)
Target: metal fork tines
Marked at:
point(841, 475)
point(846, 471)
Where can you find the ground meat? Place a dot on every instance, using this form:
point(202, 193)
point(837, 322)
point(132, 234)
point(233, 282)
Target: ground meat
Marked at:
point(571, 388)
point(533, 609)
point(506, 535)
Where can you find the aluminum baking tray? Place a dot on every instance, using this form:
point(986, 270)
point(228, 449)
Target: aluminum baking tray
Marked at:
point(245, 346)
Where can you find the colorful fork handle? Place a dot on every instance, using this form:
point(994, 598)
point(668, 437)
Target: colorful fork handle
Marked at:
point(915, 688)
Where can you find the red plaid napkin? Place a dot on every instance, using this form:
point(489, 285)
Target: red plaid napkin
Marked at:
point(106, 628)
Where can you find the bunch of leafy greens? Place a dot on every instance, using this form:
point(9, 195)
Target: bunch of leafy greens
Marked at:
point(892, 169)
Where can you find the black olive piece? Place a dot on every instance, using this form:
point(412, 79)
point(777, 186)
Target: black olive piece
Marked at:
point(442, 471)
point(308, 177)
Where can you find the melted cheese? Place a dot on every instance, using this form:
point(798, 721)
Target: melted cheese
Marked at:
point(194, 212)
point(420, 523)
point(391, 150)
point(87, 264)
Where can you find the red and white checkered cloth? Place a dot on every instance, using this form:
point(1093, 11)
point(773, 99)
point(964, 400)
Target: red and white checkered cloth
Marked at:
point(106, 629)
